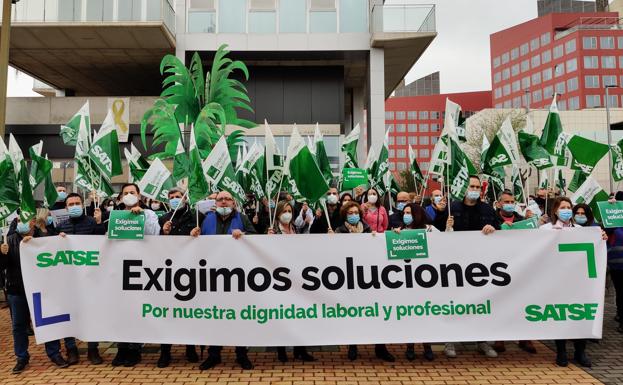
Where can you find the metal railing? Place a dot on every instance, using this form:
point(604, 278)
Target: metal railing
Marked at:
point(94, 11)
point(403, 18)
point(590, 23)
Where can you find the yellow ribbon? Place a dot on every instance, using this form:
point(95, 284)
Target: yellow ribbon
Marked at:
point(118, 107)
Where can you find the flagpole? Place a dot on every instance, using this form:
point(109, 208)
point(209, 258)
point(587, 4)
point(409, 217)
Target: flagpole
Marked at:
point(326, 213)
point(278, 191)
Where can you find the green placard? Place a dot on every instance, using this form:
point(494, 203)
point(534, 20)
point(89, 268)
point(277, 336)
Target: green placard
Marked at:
point(160, 213)
point(124, 224)
point(611, 213)
point(530, 223)
point(353, 177)
point(409, 244)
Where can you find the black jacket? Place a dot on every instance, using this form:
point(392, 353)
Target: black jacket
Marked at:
point(320, 225)
point(183, 222)
point(11, 262)
point(342, 229)
point(486, 216)
point(81, 225)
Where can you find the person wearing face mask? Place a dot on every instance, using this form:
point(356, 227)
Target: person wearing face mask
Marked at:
point(583, 215)
point(562, 218)
point(261, 219)
point(130, 198)
point(470, 214)
point(320, 225)
point(395, 219)
point(304, 220)
point(226, 219)
point(506, 209)
point(45, 222)
point(182, 223)
point(284, 225)
point(16, 297)
point(60, 200)
point(438, 205)
point(374, 214)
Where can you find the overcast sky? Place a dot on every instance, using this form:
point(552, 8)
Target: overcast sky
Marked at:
point(460, 51)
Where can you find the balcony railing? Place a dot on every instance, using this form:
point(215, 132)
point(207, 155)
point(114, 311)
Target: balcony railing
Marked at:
point(590, 23)
point(403, 18)
point(95, 11)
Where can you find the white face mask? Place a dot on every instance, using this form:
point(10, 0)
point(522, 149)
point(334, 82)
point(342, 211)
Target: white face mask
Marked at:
point(332, 199)
point(130, 200)
point(109, 208)
point(372, 198)
point(155, 206)
point(285, 218)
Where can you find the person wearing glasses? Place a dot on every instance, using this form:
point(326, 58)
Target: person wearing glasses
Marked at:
point(226, 219)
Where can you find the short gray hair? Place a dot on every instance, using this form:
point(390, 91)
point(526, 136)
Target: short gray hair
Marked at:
point(176, 189)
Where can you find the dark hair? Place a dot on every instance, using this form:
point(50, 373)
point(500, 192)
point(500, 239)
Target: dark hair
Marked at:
point(378, 197)
point(73, 195)
point(138, 190)
point(619, 196)
point(475, 177)
point(344, 195)
point(420, 219)
point(347, 206)
point(555, 205)
point(590, 217)
point(281, 206)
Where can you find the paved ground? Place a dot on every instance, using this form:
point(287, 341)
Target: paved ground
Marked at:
point(513, 367)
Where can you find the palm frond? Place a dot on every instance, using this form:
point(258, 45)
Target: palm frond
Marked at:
point(234, 140)
point(164, 125)
point(209, 127)
point(196, 73)
point(179, 88)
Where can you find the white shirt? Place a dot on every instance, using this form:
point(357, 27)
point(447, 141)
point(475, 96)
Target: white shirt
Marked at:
point(152, 227)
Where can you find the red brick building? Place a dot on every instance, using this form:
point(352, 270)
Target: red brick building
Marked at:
point(572, 54)
point(418, 121)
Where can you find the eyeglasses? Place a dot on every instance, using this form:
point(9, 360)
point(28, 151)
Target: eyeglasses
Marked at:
point(224, 199)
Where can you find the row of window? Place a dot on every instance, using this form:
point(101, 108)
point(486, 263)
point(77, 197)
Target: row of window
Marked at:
point(412, 127)
point(402, 166)
point(413, 140)
point(590, 81)
point(421, 153)
point(523, 50)
point(412, 115)
point(573, 103)
point(605, 42)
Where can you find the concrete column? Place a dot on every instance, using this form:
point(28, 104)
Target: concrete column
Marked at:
point(376, 105)
point(358, 118)
point(180, 29)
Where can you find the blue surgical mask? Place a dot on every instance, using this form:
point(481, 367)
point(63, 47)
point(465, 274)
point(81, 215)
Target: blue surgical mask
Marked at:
point(407, 219)
point(508, 207)
point(353, 219)
point(23, 228)
point(565, 214)
point(175, 202)
point(75, 211)
point(437, 199)
point(473, 195)
point(580, 219)
point(400, 206)
point(224, 211)
point(61, 196)
point(50, 220)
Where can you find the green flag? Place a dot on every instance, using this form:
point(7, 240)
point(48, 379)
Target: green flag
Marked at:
point(414, 167)
point(137, 164)
point(274, 163)
point(616, 155)
point(544, 183)
point(253, 168)
point(86, 176)
point(349, 148)
point(321, 156)
point(590, 193)
point(577, 180)
point(453, 111)
point(382, 166)
point(198, 187)
point(371, 164)
point(181, 163)
point(104, 151)
point(533, 152)
point(69, 131)
point(27, 206)
point(219, 172)
point(460, 170)
point(585, 153)
point(302, 168)
point(50, 195)
point(39, 166)
point(157, 181)
point(561, 182)
point(439, 159)
point(503, 148)
point(9, 192)
point(518, 189)
point(553, 139)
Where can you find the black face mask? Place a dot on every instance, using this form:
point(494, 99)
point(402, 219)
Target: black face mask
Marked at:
point(540, 201)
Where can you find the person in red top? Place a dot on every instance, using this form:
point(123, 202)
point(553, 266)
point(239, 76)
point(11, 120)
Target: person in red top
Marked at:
point(506, 209)
point(374, 214)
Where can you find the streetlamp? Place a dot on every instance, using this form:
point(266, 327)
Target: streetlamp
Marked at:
point(607, 87)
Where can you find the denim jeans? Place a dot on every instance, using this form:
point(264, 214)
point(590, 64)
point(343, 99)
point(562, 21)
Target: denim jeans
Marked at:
point(19, 319)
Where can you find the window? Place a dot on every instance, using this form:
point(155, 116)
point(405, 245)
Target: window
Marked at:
point(534, 44)
point(560, 88)
point(525, 65)
point(524, 49)
point(515, 70)
point(412, 127)
point(293, 16)
point(506, 90)
point(514, 53)
point(536, 61)
point(606, 42)
point(401, 154)
point(589, 42)
point(423, 141)
point(497, 77)
point(392, 153)
point(591, 81)
point(423, 127)
point(505, 58)
point(559, 70)
point(413, 140)
point(558, 51)
point(537, 96)
point(499, 105)
point(517, 102)
point(424, 152)
point(434, 127)
point(507, 104)
point(400, 115)
point(525, 82)
point(593, 101)
point(496, 62)
point(389, 127)
point(524, 99)
point(401, 140)
point(609, 80)
point(423, 115)
point(546, 56)
point(412, 115)
point(572, 65)
point(232, 16)
point(620, 39)
point(506, 74)
point(353, 16)
point(621, 62)
point(536, 78)
point(434, 114)
point(562, 105)
point(424, 166)
point(389, 115)
point(392, 166)
point(201, 21)
point(516, 86)
point(548, 92)
point(573, 103)
point(546, 38)
point(608, 62)
point(400, 128)
point(547, 74)
point(434, 139)
point(613, 100)
point(572, 84)
point(570, 46)
point(591, 62)
point(262, 21)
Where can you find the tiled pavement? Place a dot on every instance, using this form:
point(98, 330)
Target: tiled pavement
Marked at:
point(332, 367)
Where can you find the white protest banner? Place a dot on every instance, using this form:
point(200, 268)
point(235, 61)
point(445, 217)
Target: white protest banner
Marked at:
point(317, 289)
point(120, 108)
